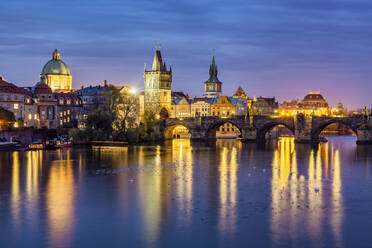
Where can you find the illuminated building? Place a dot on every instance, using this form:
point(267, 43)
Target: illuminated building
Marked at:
point(312, 104)
point(55, 109)
point(57, 74)
point(264, 106)
point(181, 107)
point(158, 83)
point(339, 110)
point(240, 93)
point(224, 106)
point(92, 97)
point(201, 106)
point(228, 130)
point(213, 86)
point(16, 100)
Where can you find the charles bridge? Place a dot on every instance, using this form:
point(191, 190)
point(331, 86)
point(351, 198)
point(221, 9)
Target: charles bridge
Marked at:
point(306, 129)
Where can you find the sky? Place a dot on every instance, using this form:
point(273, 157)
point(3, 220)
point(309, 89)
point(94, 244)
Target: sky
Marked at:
point(281, 48)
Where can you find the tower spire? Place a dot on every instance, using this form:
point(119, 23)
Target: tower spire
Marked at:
point(158, 62)
point(213, 71)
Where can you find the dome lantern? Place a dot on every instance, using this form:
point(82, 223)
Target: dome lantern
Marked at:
point(56, 55)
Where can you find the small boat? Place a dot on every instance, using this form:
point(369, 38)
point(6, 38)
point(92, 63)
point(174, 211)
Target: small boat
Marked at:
point(63, 143)
point(50, 145)
point(36, 145)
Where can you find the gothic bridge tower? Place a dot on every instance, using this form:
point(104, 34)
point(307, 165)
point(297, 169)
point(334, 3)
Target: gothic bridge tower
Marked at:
point(157, 85)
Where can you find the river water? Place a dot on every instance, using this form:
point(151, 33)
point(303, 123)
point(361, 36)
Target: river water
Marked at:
point(181, 194)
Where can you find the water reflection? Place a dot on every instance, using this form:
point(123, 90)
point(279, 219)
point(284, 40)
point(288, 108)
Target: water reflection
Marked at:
point(228, 168)
point(15, 191)
point(151, 202)
point(304, 197)
point(173, 194)
point(183, 163)
point(60, 201)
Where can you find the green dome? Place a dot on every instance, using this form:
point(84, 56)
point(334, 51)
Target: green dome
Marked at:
point(56, 66)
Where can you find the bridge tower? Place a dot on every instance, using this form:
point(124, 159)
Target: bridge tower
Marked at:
point(157, 86)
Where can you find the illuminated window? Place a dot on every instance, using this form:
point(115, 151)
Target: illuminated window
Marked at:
point(61, 122)
point(60, 114)
point(15, 106)
point(29, 116)
point(68, 111)
point(35, 116)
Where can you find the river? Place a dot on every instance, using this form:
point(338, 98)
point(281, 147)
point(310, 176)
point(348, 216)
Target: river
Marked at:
point(182, 194)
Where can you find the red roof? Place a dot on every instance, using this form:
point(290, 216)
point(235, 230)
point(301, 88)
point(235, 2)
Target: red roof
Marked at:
point(11, 88)
point(43, 89)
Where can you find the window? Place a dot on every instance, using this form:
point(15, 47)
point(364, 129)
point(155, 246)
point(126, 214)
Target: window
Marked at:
point(15, 106)
point(29, 116)
point(68, 111)
point(35, 116)
point(60, 114)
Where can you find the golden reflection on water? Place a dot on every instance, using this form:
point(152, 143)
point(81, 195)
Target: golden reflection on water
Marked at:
point(298, 200)
point(150, 195)
point(228, 168)
point(33, 173)
point(15, 190)
point(183, 162)
point(60, 201)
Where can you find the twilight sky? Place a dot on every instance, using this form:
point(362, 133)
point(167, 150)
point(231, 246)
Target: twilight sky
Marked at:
point(282, 48)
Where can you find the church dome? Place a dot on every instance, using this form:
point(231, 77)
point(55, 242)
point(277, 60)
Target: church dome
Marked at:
point(56, 66)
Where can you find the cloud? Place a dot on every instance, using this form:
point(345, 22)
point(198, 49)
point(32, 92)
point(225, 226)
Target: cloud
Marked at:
point(270, 47)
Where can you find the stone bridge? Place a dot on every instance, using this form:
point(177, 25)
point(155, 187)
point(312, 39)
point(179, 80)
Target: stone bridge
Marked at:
point(306, 129)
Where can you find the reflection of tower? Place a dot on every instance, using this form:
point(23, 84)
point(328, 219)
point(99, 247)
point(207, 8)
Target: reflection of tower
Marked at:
point(158, 83)
point(213, 86)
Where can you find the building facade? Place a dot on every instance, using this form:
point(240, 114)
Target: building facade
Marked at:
point(201, 106)
point(265, 106)
point(312, 104)
point(181, 108)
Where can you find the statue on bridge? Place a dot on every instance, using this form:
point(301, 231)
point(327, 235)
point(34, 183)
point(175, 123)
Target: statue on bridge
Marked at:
point(366, 114)
point(249, 116)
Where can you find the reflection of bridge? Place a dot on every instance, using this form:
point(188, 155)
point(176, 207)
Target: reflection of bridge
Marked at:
point(306, 129)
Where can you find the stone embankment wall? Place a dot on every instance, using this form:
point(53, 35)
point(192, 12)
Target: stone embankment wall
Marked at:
point(28, 135)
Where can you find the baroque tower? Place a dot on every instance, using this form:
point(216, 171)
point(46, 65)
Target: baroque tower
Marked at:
point(213, 86)
point(158, 83)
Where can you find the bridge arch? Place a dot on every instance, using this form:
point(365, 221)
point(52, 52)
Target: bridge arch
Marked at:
point(212, 128)
point(169, 131)
point(264, 129)
point(319, 126)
